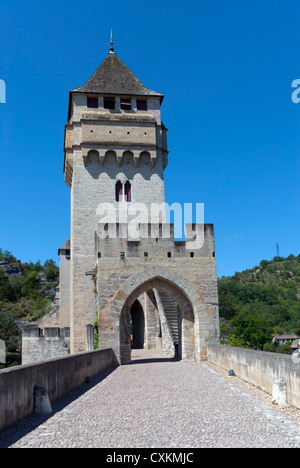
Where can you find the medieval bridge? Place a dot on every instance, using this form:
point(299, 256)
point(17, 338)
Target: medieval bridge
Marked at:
point(152, 402)
point(165, 290)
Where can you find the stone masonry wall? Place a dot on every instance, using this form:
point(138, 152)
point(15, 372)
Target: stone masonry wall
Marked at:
point(64, 289)
point(40, 345)
point(122, 266)
point(58, 376)
point(259, 368)
point(94, 184)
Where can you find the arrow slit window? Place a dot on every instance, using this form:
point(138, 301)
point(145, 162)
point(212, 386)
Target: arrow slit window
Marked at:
point(128, 191)
point(119, 191)
point(123, 191)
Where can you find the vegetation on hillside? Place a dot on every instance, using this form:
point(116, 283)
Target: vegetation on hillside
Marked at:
point(26, 293)
point(259, 303)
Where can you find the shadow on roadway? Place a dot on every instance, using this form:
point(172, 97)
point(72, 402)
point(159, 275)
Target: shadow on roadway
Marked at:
point(25, 426)
point(142, 356)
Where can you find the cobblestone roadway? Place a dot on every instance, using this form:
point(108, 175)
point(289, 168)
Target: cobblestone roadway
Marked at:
point(163, 405)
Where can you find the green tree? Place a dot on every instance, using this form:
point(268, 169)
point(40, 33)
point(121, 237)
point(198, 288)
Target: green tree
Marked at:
point(270, 347)
point(9, 331)
point(51, 270)
point(286, 348)
point(6, 291)
point(30, 285)
point(40, 308)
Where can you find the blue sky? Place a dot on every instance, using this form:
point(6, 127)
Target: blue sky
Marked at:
point(226, 70)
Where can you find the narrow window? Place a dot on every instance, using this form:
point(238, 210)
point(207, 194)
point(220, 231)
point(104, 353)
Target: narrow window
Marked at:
point(68, 255)
point(192, 254)
point(145, 254)
point(169, 254)
point(141, 104)
point(125, 104)
point(122, 254)
point(119, 191)
point(128, 191)
point(109, 103)
point(92, 102)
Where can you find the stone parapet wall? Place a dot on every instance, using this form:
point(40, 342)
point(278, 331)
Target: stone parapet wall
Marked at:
point(58, 376)
point(259, 368)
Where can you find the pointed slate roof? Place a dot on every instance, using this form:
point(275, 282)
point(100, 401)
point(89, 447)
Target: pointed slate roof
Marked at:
point(114, 77)
point(66, 245)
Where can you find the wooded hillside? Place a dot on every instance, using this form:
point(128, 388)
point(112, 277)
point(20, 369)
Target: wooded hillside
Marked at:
point(259, 303)
point(26, 293)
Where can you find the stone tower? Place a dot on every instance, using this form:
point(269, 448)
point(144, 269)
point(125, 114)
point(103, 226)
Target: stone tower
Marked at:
point(115, 152)
point(149, 291)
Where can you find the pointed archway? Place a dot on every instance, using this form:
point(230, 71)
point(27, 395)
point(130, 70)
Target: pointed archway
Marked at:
point(196, 320)
point(185, 317)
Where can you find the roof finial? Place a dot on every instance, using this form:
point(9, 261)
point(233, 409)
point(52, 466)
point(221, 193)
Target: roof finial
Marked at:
point(111, 49)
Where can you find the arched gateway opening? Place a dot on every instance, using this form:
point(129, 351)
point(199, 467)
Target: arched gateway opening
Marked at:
point(158, 315)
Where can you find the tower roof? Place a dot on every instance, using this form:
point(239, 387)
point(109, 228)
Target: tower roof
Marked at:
point(114, 77)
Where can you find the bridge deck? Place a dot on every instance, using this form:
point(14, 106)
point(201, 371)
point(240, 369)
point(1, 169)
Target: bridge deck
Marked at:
point(157, 403)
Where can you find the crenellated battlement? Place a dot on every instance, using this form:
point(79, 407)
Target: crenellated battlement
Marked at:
point(153, 240)
point(40, 344)
point(34, 331)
